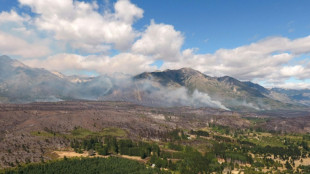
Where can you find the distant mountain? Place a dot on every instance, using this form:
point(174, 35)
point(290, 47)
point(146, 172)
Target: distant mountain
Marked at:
point(257, 87)
point(270, 93)
point(229, 91)
point(20, 83)
point(184, 87)
point(296, 95)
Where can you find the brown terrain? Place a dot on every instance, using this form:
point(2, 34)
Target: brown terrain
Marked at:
point(31, 132)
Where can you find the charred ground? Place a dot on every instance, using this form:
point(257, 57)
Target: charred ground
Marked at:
point(30, 132)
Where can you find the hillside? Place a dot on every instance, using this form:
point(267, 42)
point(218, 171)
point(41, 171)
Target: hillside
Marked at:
point(184, 87)
point(300, 96)
point(20, 84)
point(231, 92)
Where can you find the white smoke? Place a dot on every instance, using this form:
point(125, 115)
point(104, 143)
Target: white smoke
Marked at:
point(180, 96)
point(249, 105)
point(177, 96)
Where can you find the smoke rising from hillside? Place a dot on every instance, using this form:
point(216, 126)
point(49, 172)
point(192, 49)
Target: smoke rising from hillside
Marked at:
point(148, 92)
point(181, 97)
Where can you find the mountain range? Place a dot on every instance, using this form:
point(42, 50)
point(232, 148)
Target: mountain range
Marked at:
point(20, 83)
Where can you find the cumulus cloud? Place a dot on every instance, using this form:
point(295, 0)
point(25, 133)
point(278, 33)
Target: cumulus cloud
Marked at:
point(19, 40)
point(122, 63)
point(127, 12)
point(81, 25)
point(12, 45)
point(295, 71)
point(87, 30)
point(292, 85)
point(267, 59)
point(161, 41)
point(12, 16)
point(83, 47)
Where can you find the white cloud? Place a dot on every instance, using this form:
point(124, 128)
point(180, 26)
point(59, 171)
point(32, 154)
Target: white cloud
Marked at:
point(161, 41)
point(127, 11)
point(121, 63)
point(12, 16)
point(82, 26)
point(23, 31)
point(12, 45)
point(267, 59)
point(80, 23)
point(292, 85)
point(295, 71)
point(91, 48)
point(16, 38)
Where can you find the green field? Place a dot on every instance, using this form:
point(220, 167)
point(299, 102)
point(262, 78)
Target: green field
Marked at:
point(83, 133)
point(211, 149)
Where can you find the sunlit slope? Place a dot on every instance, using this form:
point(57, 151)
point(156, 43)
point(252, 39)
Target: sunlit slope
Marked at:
point(229, 91)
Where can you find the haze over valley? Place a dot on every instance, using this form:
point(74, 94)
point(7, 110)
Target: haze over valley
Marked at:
point(154, 87)
point(183, 87)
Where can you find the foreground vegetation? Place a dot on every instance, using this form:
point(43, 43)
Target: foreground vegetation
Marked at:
point(214, 149)
point(86, 165)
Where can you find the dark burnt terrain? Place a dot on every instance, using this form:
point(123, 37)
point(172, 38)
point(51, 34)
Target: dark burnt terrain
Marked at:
point(19, 123)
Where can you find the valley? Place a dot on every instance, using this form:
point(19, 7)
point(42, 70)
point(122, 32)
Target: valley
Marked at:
point(171, 121)
point(154, 87)
point(165, 138)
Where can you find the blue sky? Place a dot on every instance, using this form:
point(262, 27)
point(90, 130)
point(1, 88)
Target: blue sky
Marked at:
point(210, 25)
point(215, 37)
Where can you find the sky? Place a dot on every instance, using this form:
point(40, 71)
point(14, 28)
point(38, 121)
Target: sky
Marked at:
point(264, 41)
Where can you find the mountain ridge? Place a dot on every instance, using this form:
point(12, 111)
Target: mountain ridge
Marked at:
point(21, 83)
point(227, 90)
